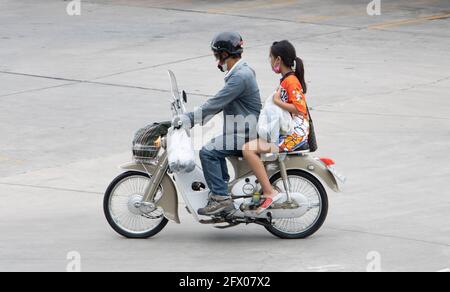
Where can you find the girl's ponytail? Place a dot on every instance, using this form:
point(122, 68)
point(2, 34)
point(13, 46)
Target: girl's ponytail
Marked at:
point(300, 73)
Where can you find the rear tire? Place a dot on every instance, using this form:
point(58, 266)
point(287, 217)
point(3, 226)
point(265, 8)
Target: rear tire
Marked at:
point(323, 208)
point(110, 218)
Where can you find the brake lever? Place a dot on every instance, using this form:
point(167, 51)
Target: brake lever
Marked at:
point(177, 123)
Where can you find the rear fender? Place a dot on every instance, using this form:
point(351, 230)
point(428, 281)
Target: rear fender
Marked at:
point(309, 164)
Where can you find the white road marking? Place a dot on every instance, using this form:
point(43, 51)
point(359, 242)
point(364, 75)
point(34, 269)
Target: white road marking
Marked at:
point(326, 268)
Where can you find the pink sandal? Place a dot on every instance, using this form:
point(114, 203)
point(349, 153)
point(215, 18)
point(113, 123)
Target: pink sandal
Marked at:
point(269, 202)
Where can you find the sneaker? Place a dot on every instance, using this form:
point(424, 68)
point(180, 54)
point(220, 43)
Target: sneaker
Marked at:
point(216, 205)
point(268, 203)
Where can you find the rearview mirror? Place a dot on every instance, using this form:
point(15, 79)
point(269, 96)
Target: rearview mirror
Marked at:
point(184, 94)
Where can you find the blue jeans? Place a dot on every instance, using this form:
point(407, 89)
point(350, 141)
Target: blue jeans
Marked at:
point(215, 168)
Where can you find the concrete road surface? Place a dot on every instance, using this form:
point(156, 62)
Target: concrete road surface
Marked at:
point(74, 89)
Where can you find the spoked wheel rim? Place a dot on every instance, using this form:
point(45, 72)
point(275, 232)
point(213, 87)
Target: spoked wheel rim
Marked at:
point(302, 224)
point(123, 209)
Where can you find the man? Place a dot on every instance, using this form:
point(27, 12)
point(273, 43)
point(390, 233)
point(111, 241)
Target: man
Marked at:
point(240, 102)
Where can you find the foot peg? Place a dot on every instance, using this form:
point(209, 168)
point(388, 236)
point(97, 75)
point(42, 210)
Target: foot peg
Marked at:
point(213, 221)
point(227, 226)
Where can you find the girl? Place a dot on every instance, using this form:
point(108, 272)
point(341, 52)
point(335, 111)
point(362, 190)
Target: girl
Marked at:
point(290, 97)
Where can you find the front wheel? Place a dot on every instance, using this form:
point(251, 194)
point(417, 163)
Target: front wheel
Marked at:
point(124, 211)
point(305, 226)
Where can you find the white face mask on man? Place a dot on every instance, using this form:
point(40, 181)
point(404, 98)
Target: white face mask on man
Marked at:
point(222, 62)
point(223, 67)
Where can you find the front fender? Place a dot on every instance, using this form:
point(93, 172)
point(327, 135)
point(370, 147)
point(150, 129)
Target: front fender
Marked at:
point(169, 200)
point(313, 166)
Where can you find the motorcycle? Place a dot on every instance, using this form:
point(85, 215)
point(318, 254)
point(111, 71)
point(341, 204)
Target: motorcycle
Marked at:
point(140, 202)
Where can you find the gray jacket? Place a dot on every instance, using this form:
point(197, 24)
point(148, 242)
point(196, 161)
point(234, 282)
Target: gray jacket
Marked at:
point(240, 102)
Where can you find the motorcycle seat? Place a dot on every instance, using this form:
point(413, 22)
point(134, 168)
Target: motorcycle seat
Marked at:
point(299, 153)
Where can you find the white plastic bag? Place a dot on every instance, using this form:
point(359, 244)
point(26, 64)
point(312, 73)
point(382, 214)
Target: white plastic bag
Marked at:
point(274, 121)
point(180, 150)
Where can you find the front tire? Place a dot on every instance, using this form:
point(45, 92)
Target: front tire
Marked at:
point(126, 189)
point(305, 183)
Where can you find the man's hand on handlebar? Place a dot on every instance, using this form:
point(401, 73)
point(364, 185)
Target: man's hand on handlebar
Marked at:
point(182, 121)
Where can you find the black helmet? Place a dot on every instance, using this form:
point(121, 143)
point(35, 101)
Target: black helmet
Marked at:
point(230, 42)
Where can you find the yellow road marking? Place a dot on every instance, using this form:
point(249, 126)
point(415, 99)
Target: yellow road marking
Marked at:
point(251, 5)
point(314, 18)
point(409, 21)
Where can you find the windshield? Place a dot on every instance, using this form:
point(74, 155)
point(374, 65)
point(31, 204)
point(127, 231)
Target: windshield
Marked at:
point(174, 84)
point(177, 103)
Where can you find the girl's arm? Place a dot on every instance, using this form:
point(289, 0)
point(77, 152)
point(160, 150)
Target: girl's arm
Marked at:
point(286, 106)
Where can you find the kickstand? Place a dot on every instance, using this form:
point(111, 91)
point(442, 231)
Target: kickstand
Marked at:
point(269, 215)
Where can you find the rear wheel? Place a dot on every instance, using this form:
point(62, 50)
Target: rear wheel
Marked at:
point(305, 226)
point(124, 211)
